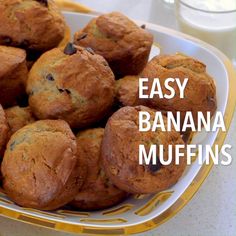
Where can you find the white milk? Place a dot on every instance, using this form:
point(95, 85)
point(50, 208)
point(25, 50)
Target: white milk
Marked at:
point(218, 29)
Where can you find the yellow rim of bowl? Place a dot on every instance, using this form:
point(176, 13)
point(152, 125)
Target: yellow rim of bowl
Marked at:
point(182, 200)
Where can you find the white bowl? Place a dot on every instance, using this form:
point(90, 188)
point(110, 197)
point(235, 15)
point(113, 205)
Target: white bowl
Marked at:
point(141, 213)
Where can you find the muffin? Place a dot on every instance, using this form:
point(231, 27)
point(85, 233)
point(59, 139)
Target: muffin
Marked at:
point(126, 91)
point(200, 91)
point(119, 40)
point(33, 56)
point(72, 84)
point(13, 75)
point(31, 24)
point(97, 191)
point(18, 117)
point(4, 131)
point(40, 167)
point(120, 153)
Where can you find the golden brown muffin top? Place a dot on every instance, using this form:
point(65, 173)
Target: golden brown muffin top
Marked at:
point(112, 35)
point(71, 84)
point(120, 153)
point(10, 58)
point(163, 63)
point(31, 24)
point(18, 117)
point(97, 191)
point(127, 91)
point(38, 164)
point(200, 91)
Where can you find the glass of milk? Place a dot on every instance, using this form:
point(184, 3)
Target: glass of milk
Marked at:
point(213, 21)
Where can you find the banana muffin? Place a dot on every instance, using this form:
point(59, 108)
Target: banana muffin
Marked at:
point(18, 117)
point(31, 24)
point(126, 91)
point(199, 93)
point(40, 167)
point(33, 56)
point(97, 191)
point(120, 153)
point(4, 131)
point(119, 40)
point(13, 75)
point(72, 84)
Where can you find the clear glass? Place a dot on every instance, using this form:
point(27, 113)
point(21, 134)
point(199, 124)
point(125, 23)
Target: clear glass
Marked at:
point(169, 1)
point(213, 21)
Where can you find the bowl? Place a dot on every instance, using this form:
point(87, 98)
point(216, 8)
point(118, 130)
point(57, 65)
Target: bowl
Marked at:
point(140, 213)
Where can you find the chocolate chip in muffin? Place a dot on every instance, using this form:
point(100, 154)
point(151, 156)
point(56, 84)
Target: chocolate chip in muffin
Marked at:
point(31, 93)
point(70, 49)
point(49, 77)
point(153, 168)
point(186, 136)
point(6, 40)
point(24, 44)
point(90, 50)
point(67, 91)
point(61, 90)
point(12, 145)
point(105, 63)
point(82, 36)
point(143, 26)
point(43, 2)
point(211, 101)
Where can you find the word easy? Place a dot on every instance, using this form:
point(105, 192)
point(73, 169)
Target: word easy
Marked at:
point(157, 89)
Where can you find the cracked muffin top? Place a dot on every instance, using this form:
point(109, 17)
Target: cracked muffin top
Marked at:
point(120, 153)
point(4, 130)
point(125, 45)
point(31, 24)
point(40, 167)
point(97, 192)
point(72, 84)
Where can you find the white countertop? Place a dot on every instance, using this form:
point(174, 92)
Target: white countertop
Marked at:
point(212, 211)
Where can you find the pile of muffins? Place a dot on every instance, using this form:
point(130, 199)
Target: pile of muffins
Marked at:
point(69, 132)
